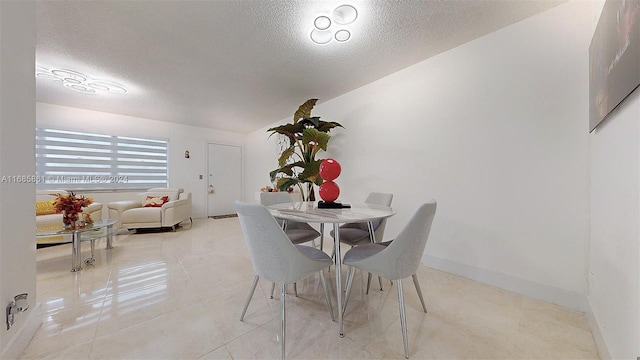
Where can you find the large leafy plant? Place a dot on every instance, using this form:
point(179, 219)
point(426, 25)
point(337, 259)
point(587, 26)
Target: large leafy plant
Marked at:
point(302, 140)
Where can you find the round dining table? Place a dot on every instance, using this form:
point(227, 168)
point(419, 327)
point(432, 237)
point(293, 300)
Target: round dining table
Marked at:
point(309, 212)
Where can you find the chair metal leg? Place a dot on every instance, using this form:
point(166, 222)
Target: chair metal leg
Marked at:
point(253, 289)
point(321, 235)
point(346, 281)
point(326, 295)
point(283, 314)
point(372, 232)
point(273, 288)
point(362, 285)
point(417, 284)
point(403, 319)
point(350, 275)
point(369, 283)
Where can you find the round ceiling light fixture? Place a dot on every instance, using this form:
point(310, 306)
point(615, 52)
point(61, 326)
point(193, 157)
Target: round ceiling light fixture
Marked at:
point(321, 37)
point(342, 35)
point(72, 81)
point(107, 86)
point(70, 75)
point(98, 86)
point(79, 88)
point(322, 22)
point(345, 14)
point(47, 76)
point(78, 81)
point(325, 29)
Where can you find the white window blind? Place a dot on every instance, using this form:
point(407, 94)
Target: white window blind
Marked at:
point(79, 160)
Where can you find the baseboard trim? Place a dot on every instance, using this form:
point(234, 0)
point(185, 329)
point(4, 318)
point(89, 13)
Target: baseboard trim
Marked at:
point(601, 345)
point(19, 343)
point(532, 289)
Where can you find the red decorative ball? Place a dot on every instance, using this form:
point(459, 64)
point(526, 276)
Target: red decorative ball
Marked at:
point(330, 169)
point(329, 191)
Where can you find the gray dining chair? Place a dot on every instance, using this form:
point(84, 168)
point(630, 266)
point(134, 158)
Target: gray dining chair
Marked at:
point(354, 234)
point(297, 232)
point(397, 260)
point(276, 259)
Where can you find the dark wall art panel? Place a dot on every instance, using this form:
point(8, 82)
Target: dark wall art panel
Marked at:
point(614, 58)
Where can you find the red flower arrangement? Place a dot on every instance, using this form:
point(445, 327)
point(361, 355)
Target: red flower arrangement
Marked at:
point(70, 206)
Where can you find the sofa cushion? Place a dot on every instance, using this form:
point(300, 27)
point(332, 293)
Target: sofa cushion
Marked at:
point(142, 215)
point(45, 207)
point(172, 193)
point(49, 219)
point(155, 201)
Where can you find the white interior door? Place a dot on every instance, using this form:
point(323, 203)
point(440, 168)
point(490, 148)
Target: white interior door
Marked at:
point(224, 179)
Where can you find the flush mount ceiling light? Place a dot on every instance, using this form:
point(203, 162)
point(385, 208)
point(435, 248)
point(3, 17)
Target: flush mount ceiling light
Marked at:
point(79, 82)
point(321, 36)
point(325, 28)
point(345, 14)
point(322, 22)
point(342, 35)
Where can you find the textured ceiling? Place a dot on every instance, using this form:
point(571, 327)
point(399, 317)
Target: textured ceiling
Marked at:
point(241, 65)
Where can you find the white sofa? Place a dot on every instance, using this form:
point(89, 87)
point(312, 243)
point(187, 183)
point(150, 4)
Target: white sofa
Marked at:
point(49, 220)
point(133, 214)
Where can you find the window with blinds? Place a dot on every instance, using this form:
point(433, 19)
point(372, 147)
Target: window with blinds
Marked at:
point(79, 160)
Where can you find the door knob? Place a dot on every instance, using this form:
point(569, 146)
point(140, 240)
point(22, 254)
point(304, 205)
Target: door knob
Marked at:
point(211, 190)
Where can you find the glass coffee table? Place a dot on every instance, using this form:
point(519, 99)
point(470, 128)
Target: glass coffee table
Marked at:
point(55, 234)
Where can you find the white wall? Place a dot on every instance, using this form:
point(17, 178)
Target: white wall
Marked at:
point(17, 123)
point(614, 256)
point(183, 173)
point(261, 157)
point(614, 259)
point(496, 131)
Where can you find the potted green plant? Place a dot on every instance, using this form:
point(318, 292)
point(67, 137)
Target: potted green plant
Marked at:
point(302, 140)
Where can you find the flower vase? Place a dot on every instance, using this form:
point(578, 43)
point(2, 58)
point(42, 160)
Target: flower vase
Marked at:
point(69, 219)
point(88, 221)
point(310, 194)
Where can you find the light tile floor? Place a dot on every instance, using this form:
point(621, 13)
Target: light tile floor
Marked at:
point(178, 295)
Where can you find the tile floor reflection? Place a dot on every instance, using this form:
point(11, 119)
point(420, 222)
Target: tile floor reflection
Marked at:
point(178, 295)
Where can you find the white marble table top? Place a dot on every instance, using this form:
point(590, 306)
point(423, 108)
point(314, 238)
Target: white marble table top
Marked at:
point(309, 212)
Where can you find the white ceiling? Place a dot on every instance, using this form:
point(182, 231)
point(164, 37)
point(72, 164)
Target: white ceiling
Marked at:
point(241, 65)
